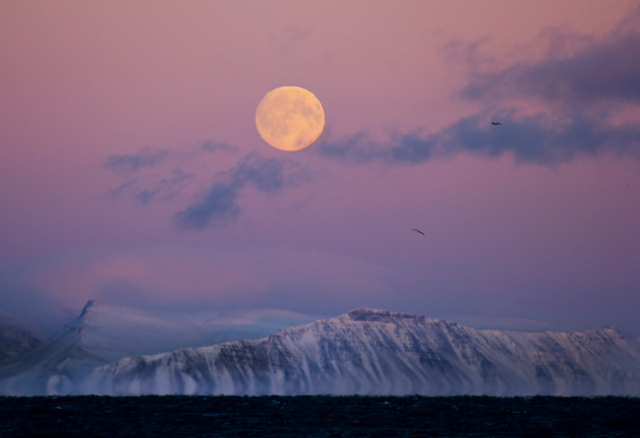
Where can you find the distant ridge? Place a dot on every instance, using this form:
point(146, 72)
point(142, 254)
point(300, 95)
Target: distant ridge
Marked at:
point(120, 351)
point(377, 352)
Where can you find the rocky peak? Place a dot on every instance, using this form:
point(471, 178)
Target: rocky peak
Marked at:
point(365, 314)
point(89, 305)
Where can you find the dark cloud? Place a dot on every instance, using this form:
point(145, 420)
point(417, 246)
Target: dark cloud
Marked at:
point(413, 149)
point(540, 140)
point(536, 139)
point(607, 69)
point(218, 205)
point(268, 175)
point(128, 163)
point(219, 202)
point(146, 196)
point(584, 81)
point(357, 148)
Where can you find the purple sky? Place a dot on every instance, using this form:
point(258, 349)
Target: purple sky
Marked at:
point(132, 171)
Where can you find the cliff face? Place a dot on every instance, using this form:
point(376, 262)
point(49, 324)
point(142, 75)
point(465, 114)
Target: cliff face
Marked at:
point(378, 352)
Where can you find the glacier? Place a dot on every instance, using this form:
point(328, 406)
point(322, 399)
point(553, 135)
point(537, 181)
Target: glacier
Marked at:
point(377, 352)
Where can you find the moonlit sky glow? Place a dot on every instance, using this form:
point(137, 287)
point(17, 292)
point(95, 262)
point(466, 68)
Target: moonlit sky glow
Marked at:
point(131, 170)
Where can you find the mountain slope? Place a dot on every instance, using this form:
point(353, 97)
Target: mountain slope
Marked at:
point(103, 334)
point(15, 341)
point(379, 352)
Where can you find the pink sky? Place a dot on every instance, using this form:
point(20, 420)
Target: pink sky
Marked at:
point(120, 120)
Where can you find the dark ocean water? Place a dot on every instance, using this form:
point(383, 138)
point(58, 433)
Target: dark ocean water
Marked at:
point(319, 416)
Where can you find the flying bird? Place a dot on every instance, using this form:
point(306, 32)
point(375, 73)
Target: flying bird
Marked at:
point(496, 123)
point(418, 231)
point(628, 186)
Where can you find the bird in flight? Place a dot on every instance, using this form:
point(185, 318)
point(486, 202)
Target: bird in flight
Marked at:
point(418, 231)
point(628, 186)
point(496, 123)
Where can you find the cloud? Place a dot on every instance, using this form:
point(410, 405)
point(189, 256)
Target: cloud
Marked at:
point(584, 91)
point(154, 175)
point(269, 175)
point(357, 148)
point(541, 140)
point(219, 204)
point(211, 146)
point(608, 69)
point(536, 139)
point(124, 187)
point(145, 189)
point(146, 196)
point(127, 164)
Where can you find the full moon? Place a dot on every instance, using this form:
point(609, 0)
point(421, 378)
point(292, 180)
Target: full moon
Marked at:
point(290, 118)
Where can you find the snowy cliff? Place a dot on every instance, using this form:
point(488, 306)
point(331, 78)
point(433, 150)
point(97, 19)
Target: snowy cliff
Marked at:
point(379, 352)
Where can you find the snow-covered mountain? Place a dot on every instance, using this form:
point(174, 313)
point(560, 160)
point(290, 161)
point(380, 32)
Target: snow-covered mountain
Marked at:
point(103, 334)
point(379, 352)
point(118, 351)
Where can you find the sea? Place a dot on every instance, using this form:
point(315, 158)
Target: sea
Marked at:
point(319, 416)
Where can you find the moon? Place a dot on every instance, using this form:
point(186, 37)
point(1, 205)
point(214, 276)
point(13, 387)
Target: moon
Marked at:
point(290, 118)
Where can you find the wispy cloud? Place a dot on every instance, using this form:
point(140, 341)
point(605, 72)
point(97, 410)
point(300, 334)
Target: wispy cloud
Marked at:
point(219, 204)
point(211, 146)
point(127, 164)
point(147, 188)
point(152, 174)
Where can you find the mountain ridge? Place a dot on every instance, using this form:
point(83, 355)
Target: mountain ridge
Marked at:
point(120, 351)
point(377, 352)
